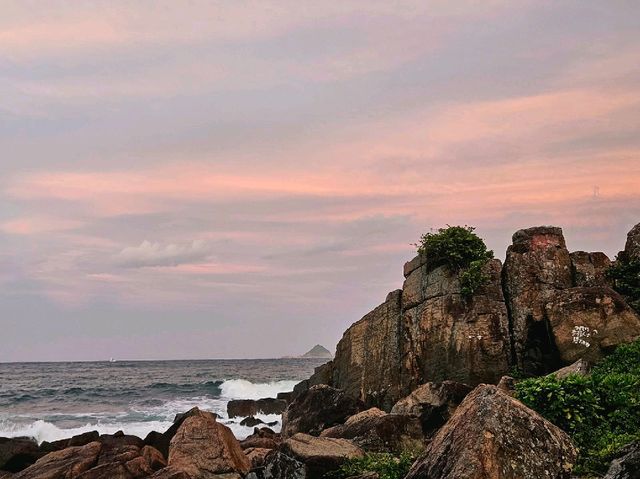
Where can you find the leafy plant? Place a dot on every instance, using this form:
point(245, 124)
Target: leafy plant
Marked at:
point(386, 465)
point(601, 411)
point(462, 250)
point(625, 274)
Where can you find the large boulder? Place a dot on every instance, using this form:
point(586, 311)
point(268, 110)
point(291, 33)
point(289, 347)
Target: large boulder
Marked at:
point(202, 448)
point(537, 265)
point(161, 441)
point(587, 322)
point(320, 455)
point(454, 337)
point(493, 436)
point(68, 463)
point(316, 409)
point(369, 356)
point(18, 453)
point(432, 403)
point(627, 464)
point(376, 431)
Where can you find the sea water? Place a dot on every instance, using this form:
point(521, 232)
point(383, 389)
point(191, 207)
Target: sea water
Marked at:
point(51, 401)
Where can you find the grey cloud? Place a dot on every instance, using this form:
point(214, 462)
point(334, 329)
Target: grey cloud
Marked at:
point(156, 254)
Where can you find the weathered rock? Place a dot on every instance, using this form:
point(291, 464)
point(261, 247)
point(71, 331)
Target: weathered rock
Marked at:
point(251, 421)
point(286, 396)
point(316, 409)
point(376, 431)
point(319, 454)
point(632, 246)
point(581, 367)
point(627, 465)
point(322, 374)
point(66, 464)
point(368, 357)
point(161, 441)
point(251, 407)
point(138, 467)
point(588, 322)
point(202, 448)
point(112, 470)
point(18, 453)
point(537, 265)
point(84, 438)
point(493, 436)
point(432, 403)
point(256, 456)
point(154, 458)
point(453, 337)
point(120, 439)
point(170, 473)
point(117, 453)
point(279, 466)
point(589, 269)
point(263, 438)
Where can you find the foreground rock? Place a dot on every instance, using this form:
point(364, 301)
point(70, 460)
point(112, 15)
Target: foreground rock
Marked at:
point(66, 464)
point(627, 465)
point(279, 466)
point(161, 441)
point(203, 448)
point(263, 438)
point(432, 403)
point(18, 453)
point(318, 408)
point(493, 436)
point(376, 431)
point(319, 455)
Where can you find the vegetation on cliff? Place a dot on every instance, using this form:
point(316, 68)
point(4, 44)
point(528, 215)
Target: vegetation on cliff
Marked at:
point(600, 411)
point(625, 274)
point(462, 250)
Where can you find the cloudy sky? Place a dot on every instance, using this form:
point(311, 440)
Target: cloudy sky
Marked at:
point(245, 178)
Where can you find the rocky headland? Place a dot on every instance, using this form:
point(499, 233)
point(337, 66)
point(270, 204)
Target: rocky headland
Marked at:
point(426, 373)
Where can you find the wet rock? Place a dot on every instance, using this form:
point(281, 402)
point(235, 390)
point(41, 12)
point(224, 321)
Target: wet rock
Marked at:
point(154, 458)
point(18, 453)
point(432, 403)
point(627, 465)
point(493, 436)
point(251, 407)
point(66, 464)
point(251, 421)
point(202, 447)
point(589, 322)
point(316, 409)
point(537, 265)
point(319, 455)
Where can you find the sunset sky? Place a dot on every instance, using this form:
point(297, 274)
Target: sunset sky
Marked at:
point(245, 179)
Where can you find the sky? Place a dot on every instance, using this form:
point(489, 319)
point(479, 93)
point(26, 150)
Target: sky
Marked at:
point(240, 179)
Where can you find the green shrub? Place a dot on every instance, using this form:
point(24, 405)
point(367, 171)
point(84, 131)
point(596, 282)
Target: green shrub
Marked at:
point(601, 411)
point(386, 465)
point(626, 280)
point(462, 250)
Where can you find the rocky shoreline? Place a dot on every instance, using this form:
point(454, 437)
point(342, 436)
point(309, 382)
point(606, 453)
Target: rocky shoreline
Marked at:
point(427, 372)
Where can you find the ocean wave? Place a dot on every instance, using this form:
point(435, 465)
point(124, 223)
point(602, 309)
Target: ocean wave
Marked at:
point(243, 389)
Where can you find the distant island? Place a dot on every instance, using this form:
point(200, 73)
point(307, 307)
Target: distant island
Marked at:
point(318, 352)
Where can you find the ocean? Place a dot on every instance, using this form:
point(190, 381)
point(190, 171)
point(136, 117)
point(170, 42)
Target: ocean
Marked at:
point(51, 401)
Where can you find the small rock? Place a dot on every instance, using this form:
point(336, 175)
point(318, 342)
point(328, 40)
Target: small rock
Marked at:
point(251, 421)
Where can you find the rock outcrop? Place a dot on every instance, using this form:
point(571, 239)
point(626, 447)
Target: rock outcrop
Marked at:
point(493, 436)
point(627, 464)
point(316, 409)
point(530, 314)
point(251, 407)
point(67, 463)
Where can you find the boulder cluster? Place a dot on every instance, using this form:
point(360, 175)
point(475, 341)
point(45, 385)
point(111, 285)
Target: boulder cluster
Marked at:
point(424, 372)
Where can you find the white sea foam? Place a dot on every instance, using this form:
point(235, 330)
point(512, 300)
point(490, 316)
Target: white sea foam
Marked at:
point(243, 389)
